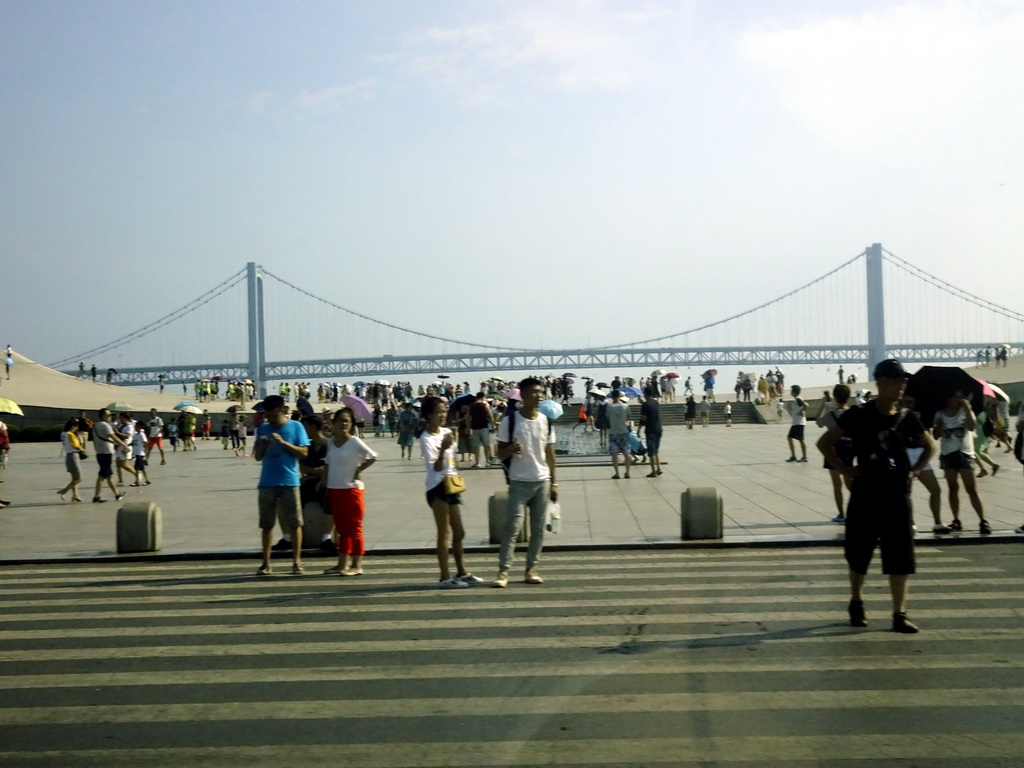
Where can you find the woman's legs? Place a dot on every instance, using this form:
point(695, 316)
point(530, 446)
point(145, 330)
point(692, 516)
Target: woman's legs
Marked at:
point(440, 509)
point(954, 490)
point(837, 492)
point(76, 478)
point(927, 478)
point(972, 492)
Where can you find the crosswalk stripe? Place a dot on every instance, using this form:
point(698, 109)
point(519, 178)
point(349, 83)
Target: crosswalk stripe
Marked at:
point(629, 665)
point(509, 706)
point(346, 624)
point(922, 583)
point(830, 634)
point(772, 750)
point(255, 583)
point(836, 598)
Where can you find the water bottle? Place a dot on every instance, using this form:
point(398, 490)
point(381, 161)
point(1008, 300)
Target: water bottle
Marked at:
point(554, 517)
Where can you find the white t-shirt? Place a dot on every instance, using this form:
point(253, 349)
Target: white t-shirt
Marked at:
point(156, 426)
point(954, 436)
point(344, 460)
point(102, 430)
point(430, 446)
point(138, 444)
point(796, 411)
point(728, 409)
point(534, 436)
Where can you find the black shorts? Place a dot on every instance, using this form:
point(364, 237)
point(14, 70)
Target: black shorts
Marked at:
point(877, 520)
point(844, 449)
point(106, 462)
point(796, 432)
point(956, 460)
point(438, 492)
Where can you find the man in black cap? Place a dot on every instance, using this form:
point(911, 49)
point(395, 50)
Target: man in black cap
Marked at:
point(879, 513)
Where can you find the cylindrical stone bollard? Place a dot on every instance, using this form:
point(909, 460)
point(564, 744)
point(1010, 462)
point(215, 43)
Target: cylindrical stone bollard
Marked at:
point(497, 519)
point(701, 510)
point(139, 527)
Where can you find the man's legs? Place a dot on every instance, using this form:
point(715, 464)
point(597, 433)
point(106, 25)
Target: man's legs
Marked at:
point(538, 503)
point(898, 586)
point(519, 493)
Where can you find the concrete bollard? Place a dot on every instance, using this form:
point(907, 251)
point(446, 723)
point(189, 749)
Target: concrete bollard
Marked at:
point(701, 513)
point(139, 527)
point(497, 519)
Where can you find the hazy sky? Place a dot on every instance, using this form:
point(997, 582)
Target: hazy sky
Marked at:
point(524, 173)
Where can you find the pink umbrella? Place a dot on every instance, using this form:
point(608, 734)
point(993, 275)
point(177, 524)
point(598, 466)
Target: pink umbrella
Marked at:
point(359, 407)
point(991, 390)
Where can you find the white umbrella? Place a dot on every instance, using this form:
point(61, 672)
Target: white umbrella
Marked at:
point(384, 383)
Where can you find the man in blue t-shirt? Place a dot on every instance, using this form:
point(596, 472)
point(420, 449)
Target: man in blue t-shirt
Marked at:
point(280, 443)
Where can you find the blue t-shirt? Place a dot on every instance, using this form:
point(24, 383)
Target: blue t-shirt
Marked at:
point(281, 468)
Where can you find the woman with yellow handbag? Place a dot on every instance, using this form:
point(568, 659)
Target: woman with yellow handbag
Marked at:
point(444, 492)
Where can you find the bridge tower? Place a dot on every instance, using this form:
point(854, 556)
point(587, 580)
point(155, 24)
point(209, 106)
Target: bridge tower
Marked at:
point(877, 350)
point(257, 339)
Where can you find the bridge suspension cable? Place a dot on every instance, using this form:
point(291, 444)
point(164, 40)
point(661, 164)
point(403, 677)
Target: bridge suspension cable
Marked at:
point(384, 323)
point(177, 314)
point(960, 293)
point(741, 314)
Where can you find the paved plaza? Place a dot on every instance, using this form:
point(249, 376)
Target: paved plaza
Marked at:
point(208, 499)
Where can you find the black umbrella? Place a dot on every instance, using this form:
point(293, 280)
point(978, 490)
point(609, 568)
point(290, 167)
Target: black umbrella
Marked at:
point(933, 385)
point(602, 384)
point(467, 399)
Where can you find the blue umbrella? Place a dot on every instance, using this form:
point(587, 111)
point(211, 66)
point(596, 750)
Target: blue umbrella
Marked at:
point(550, 408)
point(183, 404)
point(630, 391)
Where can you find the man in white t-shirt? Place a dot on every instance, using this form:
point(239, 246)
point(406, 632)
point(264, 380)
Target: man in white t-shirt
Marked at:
point(618, 432)
point(155, 438)
point(798, 412)
point(531, 477)
point(106, 439)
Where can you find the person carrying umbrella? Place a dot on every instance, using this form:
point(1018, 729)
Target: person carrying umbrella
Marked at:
point(879, 512)
point(954, 426)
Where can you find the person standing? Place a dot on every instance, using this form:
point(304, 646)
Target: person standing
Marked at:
point(437, 445)
point(138, 445)
point(705, 412)
point(880, 512)
point(280, 443)
point(312, 494)
point(106, 440)
point(691, 411)
point(480, 420)
point(709, 387)
point(618, 433)
point(407, 422)
point(650, 423)
point(347, 457)
point(954, 426)
point(798, 413)
point(156, 432)
point(831, 409)
point(728, 413)
point(529, 445)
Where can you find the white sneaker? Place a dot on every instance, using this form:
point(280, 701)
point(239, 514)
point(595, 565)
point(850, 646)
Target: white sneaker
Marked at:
point(501, 581)
point(940, 528)
point(1019, 530)
point(469, 579)
point(451, 584)
point(532, 577)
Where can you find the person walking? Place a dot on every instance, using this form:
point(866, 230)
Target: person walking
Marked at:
point(138, 448)
point(529, 446)
point(407, 422)
point(437, 445)
point(156, 439)
point(480, 420)
point(954, 426)
point(618, 433)
point(106, 439)
point(126, 428)
point(280, 443)
point(728, 413)
point(691, 411)
point(650, 423)
point(880, 512)
point(73, 450)
point(347, 458)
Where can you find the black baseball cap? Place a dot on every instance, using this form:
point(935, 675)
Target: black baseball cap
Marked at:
point(890, 369)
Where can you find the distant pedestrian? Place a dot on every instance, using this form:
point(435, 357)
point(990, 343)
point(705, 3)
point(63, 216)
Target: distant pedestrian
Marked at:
point(728, 414)
point(601, 420)
point(106, 439)
point(798, 413)
point(73, 448)
point(123, 453)
point(618, 433)
point(156, 432)
point(954, 426)
point(688, 387)
point(81, 370)
point(832, 407)
point(842, 379)
point(691, 411)
point(709, 388)
point(480, 420)
point(407, 421)
point(139, 454)
point(650, 423)
point(92, 371)
point(705, 412)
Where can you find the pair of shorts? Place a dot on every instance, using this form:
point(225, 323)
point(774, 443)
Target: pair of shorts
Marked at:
point(653, 442)
point(280, 503)
point(956, 460)
point(882, 521)
point(106, 462)
point(618, 444)
point(156, 442)
point(846, 453)
point(140, 463)
point(438, 492)
point(913, 454)
point(796, 432)
point(481, 438)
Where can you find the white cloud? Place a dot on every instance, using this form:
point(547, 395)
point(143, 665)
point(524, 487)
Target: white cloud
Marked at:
point(580, 46)
point(916, 81)
point(336, 97)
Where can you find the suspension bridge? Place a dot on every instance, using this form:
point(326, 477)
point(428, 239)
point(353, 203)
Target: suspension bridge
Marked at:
point(872, 306)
